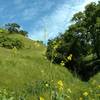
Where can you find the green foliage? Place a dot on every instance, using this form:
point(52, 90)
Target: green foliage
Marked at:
point(10, 43)
point(55, 49)
point(5, 95)
point(12, 27)
point(77, 49)
point(24, 33)
point(15, 28)
point(38, 88)
point(28, 70)
point(81, 39)
point(50, 90)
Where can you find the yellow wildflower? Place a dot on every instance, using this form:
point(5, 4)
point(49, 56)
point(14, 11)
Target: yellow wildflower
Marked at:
point(62, 63)
point(69, 57)
point(41, 98)
point(85, 94)
point(60, 85)
point(60, 88)
point(46, 85)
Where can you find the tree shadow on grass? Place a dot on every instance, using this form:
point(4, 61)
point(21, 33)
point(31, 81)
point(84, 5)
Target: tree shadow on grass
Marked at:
point(86, 70)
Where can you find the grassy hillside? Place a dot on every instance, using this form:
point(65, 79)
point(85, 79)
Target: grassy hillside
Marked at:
point(27, 67)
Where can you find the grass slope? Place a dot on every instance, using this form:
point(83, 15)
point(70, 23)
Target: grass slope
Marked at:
point(28, 65)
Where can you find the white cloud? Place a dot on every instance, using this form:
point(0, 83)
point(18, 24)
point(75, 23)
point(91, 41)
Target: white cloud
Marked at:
point(36, 8)
point(57, 21)
point(60, 18)
point(82, 6)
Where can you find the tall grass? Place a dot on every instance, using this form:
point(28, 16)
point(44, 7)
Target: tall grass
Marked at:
point(27, 70)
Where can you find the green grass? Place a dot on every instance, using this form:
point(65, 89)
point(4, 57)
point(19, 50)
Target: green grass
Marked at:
point(28, 65)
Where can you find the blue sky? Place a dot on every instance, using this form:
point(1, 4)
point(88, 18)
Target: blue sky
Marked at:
point(36, 16)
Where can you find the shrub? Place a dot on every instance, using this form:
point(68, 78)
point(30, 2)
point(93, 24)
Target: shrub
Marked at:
point(10, 43)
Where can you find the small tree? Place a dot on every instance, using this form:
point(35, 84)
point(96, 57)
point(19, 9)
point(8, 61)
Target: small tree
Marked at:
point(15, 28)
point(12, 27)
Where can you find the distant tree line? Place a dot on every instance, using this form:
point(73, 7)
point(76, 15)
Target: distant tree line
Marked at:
point(82, 41)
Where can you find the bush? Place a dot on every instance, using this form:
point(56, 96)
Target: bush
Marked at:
point(10, 43)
